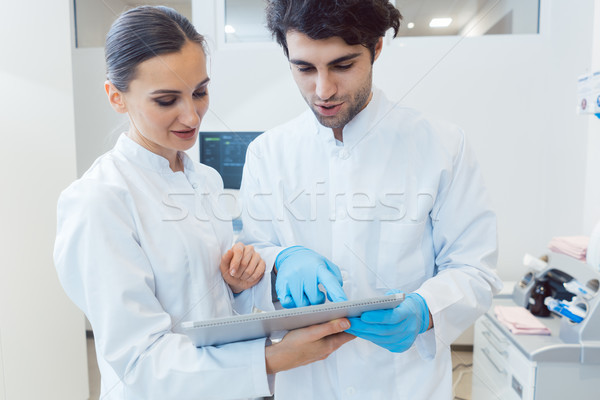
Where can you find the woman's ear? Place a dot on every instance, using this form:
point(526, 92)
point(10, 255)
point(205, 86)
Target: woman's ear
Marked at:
point(115, 97)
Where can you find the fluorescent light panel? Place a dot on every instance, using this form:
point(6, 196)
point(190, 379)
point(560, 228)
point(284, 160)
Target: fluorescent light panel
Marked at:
point(440, 22)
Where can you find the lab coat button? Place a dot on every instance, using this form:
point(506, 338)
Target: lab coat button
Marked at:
point(344, 275)
point(195, 185)
point(343, 154)
point(350, 391)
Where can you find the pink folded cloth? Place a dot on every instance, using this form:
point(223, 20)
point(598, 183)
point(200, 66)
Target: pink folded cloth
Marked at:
point(520, 321)
point(574, 246)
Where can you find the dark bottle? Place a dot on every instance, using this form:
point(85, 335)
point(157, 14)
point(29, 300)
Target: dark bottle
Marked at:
point(540, 291)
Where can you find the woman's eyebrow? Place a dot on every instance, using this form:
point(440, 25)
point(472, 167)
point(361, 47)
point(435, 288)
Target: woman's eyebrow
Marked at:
point(171, 91)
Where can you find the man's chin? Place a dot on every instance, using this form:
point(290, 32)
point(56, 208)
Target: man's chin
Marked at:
point(329, 122)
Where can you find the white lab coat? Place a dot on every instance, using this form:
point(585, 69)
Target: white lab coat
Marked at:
point(138, 250)
point(400, 205)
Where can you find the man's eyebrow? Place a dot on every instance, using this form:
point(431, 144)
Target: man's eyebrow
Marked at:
point(333, 62)
point(344, 58)
point(169, 91)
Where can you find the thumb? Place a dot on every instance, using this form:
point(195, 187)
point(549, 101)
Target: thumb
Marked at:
point(225, 260)
point(328, 328)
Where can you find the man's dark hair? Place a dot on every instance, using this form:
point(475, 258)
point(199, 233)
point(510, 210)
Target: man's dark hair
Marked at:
point(355, 21)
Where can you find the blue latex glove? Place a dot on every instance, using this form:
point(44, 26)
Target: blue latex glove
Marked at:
point(299, 273)
point(394, 329)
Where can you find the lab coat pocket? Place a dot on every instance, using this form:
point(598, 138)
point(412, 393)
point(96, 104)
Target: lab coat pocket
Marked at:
point(400, 263)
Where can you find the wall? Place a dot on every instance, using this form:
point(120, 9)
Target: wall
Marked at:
point(592, 195)
point(42, 340)
point(513, 94)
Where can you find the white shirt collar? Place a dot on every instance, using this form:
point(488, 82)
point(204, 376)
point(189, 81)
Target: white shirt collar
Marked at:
point(362, 123)
point(147, 159)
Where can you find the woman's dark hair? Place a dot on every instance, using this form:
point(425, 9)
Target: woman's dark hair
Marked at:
point(140, 34)
point(355, 21)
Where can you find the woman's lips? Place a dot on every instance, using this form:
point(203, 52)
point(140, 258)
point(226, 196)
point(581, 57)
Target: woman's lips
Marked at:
point(328, 110)
point(185, 134)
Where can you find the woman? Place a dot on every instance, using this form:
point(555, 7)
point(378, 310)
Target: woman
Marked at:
point(142, 244)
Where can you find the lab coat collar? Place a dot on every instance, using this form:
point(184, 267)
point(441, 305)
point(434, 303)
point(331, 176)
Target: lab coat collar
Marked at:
point(363, 123)
point(139, 155)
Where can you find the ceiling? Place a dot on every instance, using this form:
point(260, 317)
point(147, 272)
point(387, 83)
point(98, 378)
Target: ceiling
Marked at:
point(420, 12)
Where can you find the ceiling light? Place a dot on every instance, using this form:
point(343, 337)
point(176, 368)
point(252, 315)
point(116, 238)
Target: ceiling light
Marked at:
point(440, 22)
point(410, 25)
point(229, 29)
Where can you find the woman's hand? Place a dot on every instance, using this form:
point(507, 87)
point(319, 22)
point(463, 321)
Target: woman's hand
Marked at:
point(304, 346)
point(242, 267)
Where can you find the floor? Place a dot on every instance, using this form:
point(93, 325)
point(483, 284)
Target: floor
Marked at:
point(462, 362)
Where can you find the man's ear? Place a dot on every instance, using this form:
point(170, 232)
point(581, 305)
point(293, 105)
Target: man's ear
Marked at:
point(378, 48)
point(115, 97)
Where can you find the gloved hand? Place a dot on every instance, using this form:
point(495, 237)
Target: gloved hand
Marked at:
point(299, 273)
point(394, 329)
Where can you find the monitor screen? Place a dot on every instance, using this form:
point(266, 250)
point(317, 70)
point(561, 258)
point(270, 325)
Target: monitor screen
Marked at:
point(226, 152)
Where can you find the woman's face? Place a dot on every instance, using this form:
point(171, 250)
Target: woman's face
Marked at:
point(166, 101)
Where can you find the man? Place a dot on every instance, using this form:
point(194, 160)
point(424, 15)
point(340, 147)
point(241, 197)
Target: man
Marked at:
point(361, 192)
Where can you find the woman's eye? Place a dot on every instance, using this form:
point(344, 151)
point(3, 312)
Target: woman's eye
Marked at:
point(165, 102)
point(200, 93)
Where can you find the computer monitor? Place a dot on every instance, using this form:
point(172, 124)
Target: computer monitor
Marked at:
point(226, 152)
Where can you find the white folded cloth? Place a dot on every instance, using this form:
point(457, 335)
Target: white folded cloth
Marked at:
point(520, 321)
point(574, 246)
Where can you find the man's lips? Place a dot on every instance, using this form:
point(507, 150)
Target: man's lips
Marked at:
point(328, 110)
point(185, 134)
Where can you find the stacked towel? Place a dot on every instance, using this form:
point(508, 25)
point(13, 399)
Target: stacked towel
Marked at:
point(574, 246)
point(520, 321)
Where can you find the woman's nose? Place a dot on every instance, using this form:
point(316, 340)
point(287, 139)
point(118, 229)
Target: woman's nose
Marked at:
point(189, 114)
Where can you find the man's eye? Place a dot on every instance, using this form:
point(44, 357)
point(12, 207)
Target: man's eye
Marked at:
point(305, 69)
point(343, 66)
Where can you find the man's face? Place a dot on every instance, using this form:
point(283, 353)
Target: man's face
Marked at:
point(333, 77)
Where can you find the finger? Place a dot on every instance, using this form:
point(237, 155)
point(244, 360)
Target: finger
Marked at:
point(332, 286)
point(296, 290)
point(225, 261)
point(259, 272)
point(336, 340)
point(304, 301)
point(238, 252)
point(316, 332)
point(376, 329)
point(388, 316)
point(248, 254)
point(334, 269)
point(381, 339)
point(287, 302)
point(253, 264)
point(313, 294)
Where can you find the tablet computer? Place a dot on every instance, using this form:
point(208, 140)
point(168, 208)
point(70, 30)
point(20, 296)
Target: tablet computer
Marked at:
point(264, 324)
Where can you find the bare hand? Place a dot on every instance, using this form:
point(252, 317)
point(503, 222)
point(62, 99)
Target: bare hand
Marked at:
point(242, 267)
point(304, 346)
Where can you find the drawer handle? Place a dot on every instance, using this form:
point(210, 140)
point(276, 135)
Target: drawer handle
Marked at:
point(491, 330)
point(493, 341)
point(486, 352)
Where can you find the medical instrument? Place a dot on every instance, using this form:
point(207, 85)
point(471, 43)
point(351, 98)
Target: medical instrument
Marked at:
point(578, 289)
point(565, 308)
